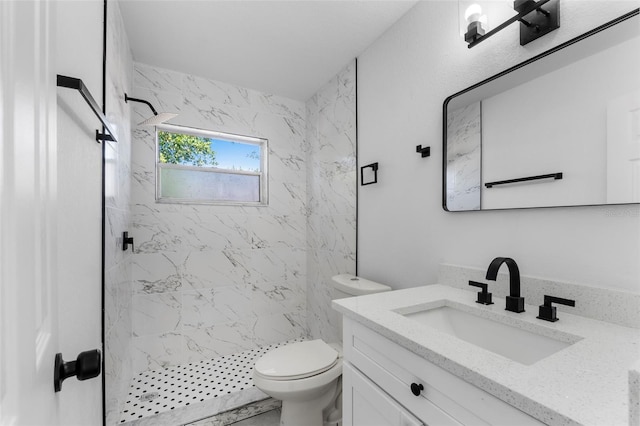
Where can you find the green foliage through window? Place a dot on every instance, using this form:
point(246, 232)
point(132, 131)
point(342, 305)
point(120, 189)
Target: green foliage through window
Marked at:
point(185, 149)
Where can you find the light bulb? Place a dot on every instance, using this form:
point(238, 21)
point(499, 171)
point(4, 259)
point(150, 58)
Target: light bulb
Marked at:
point(473, 13)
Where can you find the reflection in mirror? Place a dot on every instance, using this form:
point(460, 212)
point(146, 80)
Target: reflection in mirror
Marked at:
point(562, 129)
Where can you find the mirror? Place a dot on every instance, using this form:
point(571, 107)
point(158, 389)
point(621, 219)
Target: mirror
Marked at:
point(560, 129)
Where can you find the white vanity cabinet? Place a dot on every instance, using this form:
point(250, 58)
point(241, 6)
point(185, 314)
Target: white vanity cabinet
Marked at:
point(377, 379)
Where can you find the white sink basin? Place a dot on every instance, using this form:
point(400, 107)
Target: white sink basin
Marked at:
point(512, 342)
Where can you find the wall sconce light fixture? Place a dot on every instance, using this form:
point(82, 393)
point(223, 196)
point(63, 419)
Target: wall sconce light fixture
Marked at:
point(474, 17)
point(535, 21)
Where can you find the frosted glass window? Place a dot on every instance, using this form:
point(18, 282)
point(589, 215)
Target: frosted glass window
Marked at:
point(200, 166)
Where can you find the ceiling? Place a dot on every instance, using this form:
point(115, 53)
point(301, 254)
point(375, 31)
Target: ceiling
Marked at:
point(289, 48)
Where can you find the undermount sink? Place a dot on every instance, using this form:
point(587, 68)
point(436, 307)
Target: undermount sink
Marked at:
point(512, 342)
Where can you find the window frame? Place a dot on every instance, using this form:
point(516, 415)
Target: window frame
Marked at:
point(263, 174)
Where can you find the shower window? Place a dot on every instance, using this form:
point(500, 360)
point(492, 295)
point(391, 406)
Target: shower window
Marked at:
point(205, 167)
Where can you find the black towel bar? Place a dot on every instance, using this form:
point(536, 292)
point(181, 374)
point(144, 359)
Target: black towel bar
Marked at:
point(77, 84)
point(555, 176)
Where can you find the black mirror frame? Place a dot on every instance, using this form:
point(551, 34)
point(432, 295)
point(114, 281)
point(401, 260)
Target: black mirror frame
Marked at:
point(555, 49)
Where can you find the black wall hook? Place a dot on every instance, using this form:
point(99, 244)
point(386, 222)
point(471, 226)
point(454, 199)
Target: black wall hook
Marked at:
point(126, 241)
point(425, 152)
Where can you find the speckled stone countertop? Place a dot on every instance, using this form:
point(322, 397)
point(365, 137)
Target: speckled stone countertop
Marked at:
point(586, 383)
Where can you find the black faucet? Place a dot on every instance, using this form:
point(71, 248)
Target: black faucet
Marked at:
point(515, 303)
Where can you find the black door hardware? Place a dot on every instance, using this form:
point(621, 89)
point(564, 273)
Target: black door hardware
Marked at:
point(547, 312)
point(416, 388)
point(86, 366)
point(127, 241)
point(484, 296)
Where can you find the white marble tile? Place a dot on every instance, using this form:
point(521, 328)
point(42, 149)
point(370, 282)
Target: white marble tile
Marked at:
point(276, 104)
point(157, 351)
point(156, 313)
point(166, 232)
point(265, 413)
point(276, 265)
point(158, 272)
point(211, 254)
point(195, 87)
point(277, 298)
point(150, 77)
point(117, 221)
point(218, 340)
point(117, 285)
point(464, 139)
point(214, 268)
point(208, 307)
point(331, 195)
point(273, 328)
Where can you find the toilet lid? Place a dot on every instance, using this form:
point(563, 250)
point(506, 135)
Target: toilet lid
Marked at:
point(297, 360)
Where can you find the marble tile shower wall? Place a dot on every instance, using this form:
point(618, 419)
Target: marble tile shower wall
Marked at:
point(118, 272)
point(331, 195)
point(215, 280)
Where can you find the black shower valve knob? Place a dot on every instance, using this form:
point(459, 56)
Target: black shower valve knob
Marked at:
point(127, 241)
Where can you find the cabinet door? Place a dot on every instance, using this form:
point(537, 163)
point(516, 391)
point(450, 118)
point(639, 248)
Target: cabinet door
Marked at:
point(365, 404)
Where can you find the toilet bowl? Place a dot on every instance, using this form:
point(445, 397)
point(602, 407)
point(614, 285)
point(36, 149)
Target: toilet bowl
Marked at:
point(307, 376)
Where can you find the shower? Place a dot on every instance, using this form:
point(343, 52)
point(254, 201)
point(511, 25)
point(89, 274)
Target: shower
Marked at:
point(156, 118)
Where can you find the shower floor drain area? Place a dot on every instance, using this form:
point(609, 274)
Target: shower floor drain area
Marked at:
point(154, 392)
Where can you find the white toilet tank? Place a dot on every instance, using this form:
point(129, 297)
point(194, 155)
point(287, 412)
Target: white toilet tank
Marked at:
point(347, 285)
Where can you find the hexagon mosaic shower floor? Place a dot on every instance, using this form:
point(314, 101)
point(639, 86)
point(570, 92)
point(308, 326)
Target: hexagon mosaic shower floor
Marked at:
point(157, 391)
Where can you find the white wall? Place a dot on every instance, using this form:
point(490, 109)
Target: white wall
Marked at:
point(404, 233)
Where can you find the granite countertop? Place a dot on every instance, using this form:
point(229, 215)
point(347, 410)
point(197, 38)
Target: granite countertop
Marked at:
point(585, 383)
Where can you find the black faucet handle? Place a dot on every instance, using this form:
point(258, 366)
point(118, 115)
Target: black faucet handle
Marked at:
point(547, 312)
point(484, 296)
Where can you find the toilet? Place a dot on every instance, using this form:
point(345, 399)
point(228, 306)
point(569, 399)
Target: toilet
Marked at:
point(307, 376)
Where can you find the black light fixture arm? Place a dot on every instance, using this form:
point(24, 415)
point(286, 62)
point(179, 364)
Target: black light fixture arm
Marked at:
point(127, 98)
point(519, 17)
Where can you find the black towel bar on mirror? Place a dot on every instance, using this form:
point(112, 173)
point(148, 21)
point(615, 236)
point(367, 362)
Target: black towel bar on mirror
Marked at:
point(77, 84)
point(555, 176)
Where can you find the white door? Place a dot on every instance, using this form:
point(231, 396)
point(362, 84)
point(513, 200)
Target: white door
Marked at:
point(623, 149)
point(78, 54)
point(49, 301)
point(28, 306)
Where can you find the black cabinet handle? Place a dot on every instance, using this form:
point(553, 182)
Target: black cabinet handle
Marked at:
point(86, 366)
point(416, 389)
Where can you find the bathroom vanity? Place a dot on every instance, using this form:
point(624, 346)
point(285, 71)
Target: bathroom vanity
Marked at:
point(431, 355)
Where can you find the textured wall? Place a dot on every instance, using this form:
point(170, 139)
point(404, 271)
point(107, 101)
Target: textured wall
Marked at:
point(118, 278)
point(331, 192)
point(404, 233)
point(212, 280)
